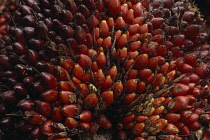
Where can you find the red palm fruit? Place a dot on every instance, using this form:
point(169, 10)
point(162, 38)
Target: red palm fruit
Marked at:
point(130, 16)
point(129, 98)
point(122, 53)
point(35, 132)
point(191, 31)
point(93, 127)
point(160, 124)
point(101, 59)
point(153, 63)
point(110, 22)
point(141, 61)
point(89, 39)
point(118, 88)
point(144, 73)
point(87, 76)
point(138, 20)
point(195, 126)
point(83, 10)
point(67, 97)
point(158, 80)
point(138, 9)
point(66, 63)
point(202, 70)
point(70, 122)
point(129, 64)
point(118, 34)
point(138, 129)
point(107, 97)
point(153, 118)
point(171, 128)
point(70, 110)
point(140, 138)
point(28, 81)
point(150, 79)
point(113, 7)
point(107, 42)
point(184, 130)
point(186, 68)
point(99, 5)
point(60, 73)
point(47, 127)
point(48, 80)
point(99, 77)
point(49, 95)
point(134, 46)
point(78, 71)
point(71, 6)
point(66, 31)
point(92, 22)
point(26, 105)
point(205, 118)
point(194, 78)
point(119, 22)
point(80, 35)
point(84, 61)
point(124, 9)
point(34, 118)
point(81, 49)
point(180, 89)
point(113, 71)
point(189, 118)
point(122, 41)
point(43, 108)
point(56, 114)
point(179, 103)
point(157, 22)
point(133, 55)
point(164, 68)
point(191, 59)
point(107, 82)
point(90, 101)
point(23, 126)
point(65, 86)
point(20, 90)
point(129, 118)
point(178, 40)
point(172, 117)
point(143, 29)
point(104, 28)
point(133, 29)
point(170, 76)
point(85, 116)
point(185, 80)
point(131, 85)
point(84, 125)
point(132, 73)
point(158, 101)
point(140, 118)
point(83, 89)
point(94, 67)
point(159, 110)
point(140, 87)
point(92, 53)
point(102, 120)
point(45, 66)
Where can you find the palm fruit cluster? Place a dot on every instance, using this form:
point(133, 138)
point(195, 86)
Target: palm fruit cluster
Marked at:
point(5, 8)
point(70, 69)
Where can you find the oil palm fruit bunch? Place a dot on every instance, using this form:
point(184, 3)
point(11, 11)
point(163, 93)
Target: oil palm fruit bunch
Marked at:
point(139, 68)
